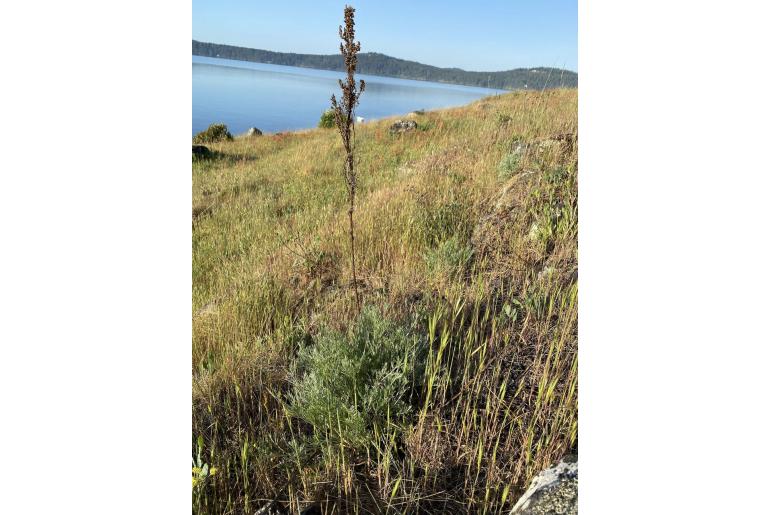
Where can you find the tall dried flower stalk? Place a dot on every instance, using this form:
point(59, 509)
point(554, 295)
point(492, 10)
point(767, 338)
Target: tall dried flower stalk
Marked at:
point(344, 118)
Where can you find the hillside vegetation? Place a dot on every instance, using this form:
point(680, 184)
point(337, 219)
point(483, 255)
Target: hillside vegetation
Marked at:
point(458, 380)
point(373, 63)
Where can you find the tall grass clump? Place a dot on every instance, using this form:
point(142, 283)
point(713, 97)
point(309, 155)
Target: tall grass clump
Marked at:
point(344, 116)
point(450, 258)
point(437, 223)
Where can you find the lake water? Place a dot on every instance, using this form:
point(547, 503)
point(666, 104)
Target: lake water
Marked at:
point(277, 98)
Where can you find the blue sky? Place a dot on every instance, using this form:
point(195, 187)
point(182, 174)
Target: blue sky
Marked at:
point(481, 35)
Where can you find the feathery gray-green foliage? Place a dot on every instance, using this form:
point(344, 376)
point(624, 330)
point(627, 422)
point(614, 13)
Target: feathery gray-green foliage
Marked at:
point(347, 383)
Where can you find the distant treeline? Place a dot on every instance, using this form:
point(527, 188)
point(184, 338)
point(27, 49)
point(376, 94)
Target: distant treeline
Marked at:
point(380, 64)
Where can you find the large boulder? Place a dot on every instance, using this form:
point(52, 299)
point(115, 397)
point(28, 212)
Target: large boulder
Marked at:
point(253, 131)
point(552, 492)
point(201, 151)
point(403, 126)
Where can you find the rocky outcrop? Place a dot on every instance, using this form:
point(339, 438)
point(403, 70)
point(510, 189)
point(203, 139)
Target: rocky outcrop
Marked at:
point(403, 126)
point(499, 214)
point(552, 492)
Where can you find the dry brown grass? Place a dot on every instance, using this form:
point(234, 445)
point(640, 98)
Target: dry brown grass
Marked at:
point(497, 400)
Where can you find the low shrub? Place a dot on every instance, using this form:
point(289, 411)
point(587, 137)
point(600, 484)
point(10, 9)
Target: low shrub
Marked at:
point(347, 384)
point(216, 132)
point(509, 165)
point(327, 120)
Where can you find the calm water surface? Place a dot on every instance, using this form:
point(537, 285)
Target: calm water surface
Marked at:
point(279, 98)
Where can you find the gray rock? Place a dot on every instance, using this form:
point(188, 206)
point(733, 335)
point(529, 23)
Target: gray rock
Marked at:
point(403, 126)
point(210, 309)
point(201, 151)
point(558, 142)
point(552, 492)
point(519, 148)
point(271, 508)
point(254, 132)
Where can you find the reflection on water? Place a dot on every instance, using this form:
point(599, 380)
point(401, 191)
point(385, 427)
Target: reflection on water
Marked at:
point(278, 98)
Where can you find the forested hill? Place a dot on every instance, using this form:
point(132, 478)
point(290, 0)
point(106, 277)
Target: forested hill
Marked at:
point(379, 64)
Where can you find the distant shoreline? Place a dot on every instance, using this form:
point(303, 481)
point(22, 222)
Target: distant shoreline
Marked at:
point(228, 62)
point(385, 66)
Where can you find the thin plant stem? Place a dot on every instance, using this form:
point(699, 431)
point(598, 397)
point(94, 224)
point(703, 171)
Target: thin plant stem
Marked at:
point(344, 118)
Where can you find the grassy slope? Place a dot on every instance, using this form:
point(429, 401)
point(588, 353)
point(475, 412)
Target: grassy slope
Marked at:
point(483, 284)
